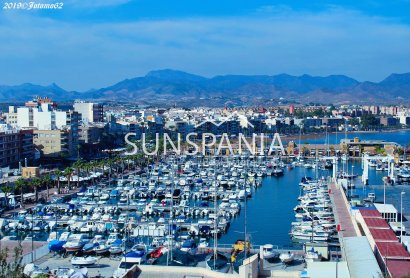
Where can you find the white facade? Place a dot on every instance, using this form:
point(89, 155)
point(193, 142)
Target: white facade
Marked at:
point(86, 110)
point(60, 119)
point(388, 212)
point(23, 117)
point(42, 119)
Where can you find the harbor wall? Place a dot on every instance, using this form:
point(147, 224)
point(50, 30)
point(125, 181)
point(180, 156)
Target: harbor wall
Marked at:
point(284, 274)
point(250, 267)
point(35, 255)
point(39, 248)
point(178, 271)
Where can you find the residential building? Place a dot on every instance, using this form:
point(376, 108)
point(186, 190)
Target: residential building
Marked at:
point(312, 122)
point(90, 112)
point(55, 143)
point(404, 118)
point(15, 145)
point(51, 127)
point(90, 133)
point(291, 109)
point(389, 121)
point(11, 116)
point(333, 122)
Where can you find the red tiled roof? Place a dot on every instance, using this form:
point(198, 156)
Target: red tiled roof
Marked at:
point(370, 213)
point(383, 235)
point(398, 268)
point(392, 250)
point(378, 223)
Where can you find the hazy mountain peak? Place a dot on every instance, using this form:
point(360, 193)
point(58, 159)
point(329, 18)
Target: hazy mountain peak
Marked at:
point(397, 79)
point(174, 75)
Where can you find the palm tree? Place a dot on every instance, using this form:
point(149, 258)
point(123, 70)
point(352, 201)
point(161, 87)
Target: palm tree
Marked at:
point(304, 150)
point(7, 189)
point(36, 184)
point(93, 166)
point(45, 181)
point(21, 184)
point(109, 163)
point(78, 165)
point(332, 150)
point(58, 174)
point(68, 172)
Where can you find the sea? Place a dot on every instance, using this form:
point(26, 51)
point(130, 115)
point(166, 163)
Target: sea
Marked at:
point(401, 137)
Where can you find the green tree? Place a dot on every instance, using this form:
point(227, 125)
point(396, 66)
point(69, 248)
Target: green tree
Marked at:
point(13, 269)
point(68, 172)
point(58, 174)
point(46, 181)
point(354, 121)
point(35, 183)
point(21, 185)
point(369, 121)
point(7, 190)
point(78, 166)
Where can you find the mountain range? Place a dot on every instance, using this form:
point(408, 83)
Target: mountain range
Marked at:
point(172, 85)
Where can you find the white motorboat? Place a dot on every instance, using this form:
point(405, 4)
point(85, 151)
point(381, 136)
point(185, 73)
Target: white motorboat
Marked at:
point(84, 261)
point(203, 243)
point(269, 253)
point(101, 249)
point(308, 166)
point(312, 256)
point(115, 249)
point(65, 272)
point(287, 258)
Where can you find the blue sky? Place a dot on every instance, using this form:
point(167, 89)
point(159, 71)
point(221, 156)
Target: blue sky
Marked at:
point(95, 43)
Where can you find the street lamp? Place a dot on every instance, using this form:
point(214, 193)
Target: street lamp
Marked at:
point(401, 216)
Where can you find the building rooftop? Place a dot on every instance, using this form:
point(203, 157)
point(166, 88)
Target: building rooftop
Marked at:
point(327, 270)
point(385, 208)
point(398, 268)
point(376, 223)
point(383, 235)
point(360, 258)
point(370, 213)
point(392, 250)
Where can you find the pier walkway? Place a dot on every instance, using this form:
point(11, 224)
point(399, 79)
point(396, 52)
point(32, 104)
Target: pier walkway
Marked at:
point(341, 212)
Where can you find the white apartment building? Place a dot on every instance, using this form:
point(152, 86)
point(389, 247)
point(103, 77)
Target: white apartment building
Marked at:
point(404, 117)
point(55, 132)
point(90, 112)
point(43, 117)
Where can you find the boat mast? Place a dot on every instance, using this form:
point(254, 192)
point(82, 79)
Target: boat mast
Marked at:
point(215, 225)
point(245, 221)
